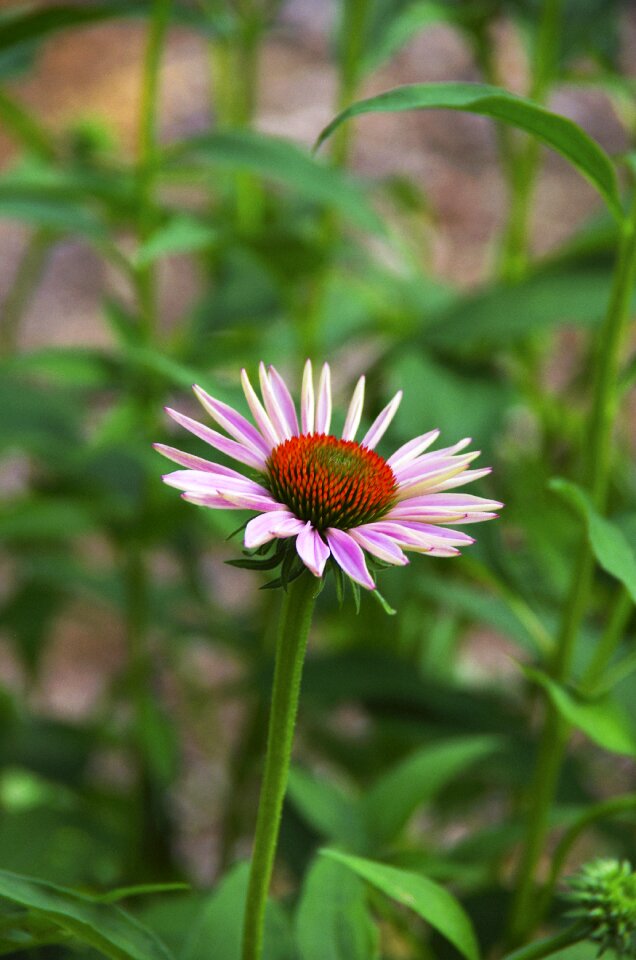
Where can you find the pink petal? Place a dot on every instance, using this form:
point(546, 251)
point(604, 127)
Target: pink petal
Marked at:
point(307, 400)
point(436, 473)
point(258, 412)
point(323, 407)
point(272, 406)
point(201, 481)
point(354, 413)
point(381, 422)
point(192, 462)
point(232, 501)
point(454, 501)
point(349, 556)
point(420, 464)
point(232, 421)
point(230, 447)
point(421, 535)
point(457, 481)
point(379, 544)
point(266, 527)
point(409, 451)
point(285, 401)
point(312, 550)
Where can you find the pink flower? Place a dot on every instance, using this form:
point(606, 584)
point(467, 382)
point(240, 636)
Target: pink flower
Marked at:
point(337, 497)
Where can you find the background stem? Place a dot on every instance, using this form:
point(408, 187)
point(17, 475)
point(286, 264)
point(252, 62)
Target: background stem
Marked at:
point(295, 621)
point(555, 734)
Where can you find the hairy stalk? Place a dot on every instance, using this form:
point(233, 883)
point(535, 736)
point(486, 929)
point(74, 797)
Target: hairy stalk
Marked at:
point(24, 285)
point(597, 470)
point(354, 17)
point(298, 604)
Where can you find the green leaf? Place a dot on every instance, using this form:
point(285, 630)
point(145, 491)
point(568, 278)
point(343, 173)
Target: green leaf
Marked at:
point(181, 234)
point(611, 547)
point(141, 890)
point(105, 927)
point(218, 930)
point(72, 366)
point(281, 161)
point(555, 131)
point(333, 922)
point(430, 901)
point(328, 809)
point(416, 780)
point(25, 127)
point(48, 208)
point(602, 720)
point(36, 518)
point(400, 28)
point(504, 314)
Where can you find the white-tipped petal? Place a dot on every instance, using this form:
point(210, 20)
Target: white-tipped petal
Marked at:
point(323, 407)
point(233, 422)
point(259, 413)
point(307, 400)
point(381, 422)
point(272, 406)
point(237, 451)
point(285, 400)
point(354, 413)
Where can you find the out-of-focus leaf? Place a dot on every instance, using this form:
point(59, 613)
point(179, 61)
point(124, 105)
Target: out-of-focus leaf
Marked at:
point(181, 234)
point(333, 922)
point(35, 419)
point(36, 518)
point(141, 890)
point(460, 404)
point(398, 27)
point(279, 160)
point(415, 780)
point(46, 208)
point(105, 927)
point(505, 314)
point(611, 548)
point(602, 720)
point(24, 127)
point(430, 901)
point(73, 366)
point(328, 809)
point(553, 130)
point(219, 926)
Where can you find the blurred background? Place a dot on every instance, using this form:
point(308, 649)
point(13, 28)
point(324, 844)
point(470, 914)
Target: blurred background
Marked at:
point(162, 222)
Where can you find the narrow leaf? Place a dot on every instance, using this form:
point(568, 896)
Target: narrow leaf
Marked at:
point(333, 921)
point(416, 780)
point(430, 901)
point(611, 547)
point(106, 927)
point(555, 131)
point(602, 719)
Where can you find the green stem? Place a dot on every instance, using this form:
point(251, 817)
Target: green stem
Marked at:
point(597, 469)
point(354, 15)
point(525, 168)
point(147, 154)
point(294, 626)
point(24, 285)
point(550, 945)
point(619, 617)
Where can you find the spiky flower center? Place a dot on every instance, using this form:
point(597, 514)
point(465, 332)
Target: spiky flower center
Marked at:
point(330, 482)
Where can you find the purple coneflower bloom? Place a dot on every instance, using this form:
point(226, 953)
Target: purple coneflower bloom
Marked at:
point(335, 495)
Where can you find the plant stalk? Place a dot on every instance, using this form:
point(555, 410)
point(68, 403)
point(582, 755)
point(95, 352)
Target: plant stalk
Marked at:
point(298, 605)
point(550, 945)
point(597, 472)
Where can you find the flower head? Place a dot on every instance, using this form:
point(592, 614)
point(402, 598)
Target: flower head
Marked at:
point(603, 895)
point(325, 497)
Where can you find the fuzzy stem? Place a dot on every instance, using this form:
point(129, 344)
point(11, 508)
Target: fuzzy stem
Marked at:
point(556, 730)
point(294, 626)
point(19, 296)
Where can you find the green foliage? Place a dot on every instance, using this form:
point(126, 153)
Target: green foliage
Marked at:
point(417, 735)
